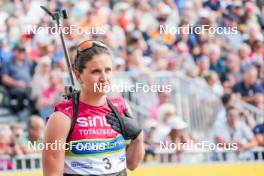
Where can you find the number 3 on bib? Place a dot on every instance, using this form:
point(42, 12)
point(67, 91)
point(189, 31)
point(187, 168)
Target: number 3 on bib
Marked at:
point(108, 163)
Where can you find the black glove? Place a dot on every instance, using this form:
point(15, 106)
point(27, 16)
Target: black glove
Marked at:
point(126, 125)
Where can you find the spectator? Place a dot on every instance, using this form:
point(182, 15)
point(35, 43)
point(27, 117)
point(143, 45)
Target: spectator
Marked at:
point(51, 95)
point(259, 134)
point(216, 63)
point(243, 54)
point(42, 72)
point(253, 34)
point(159, 63)
point(248, 87)
point(137, 70)
point(189, 39)
point(194, 74)
point(5, 52)
point(117, 36)
point(235, 131)
point(182, 141)
point(203, 64)
point(252, 14)
point(177, 127)
point(119, 65)
point(214, 83)
point(229, 83)
point(259, 101)
point(257, 54)
point(231, 41)
point(165, 113)
point(17, 78)
point(212, 4)
point(228, 100)
point(163, 97)
point(17, 132)
point(233, 66)
point(5, 141)
point(34, 134)
point(184, 58)
point(247, 117)
point(177, 135)
point(58, 60)
point(150, 144)
point(5, 148)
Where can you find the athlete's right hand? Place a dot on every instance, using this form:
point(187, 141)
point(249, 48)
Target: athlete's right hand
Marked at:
point(126, 125)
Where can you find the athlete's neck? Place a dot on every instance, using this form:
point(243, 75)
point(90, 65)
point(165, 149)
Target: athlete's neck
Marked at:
point(92, 99)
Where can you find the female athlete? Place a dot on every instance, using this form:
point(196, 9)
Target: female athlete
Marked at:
point(97, 142)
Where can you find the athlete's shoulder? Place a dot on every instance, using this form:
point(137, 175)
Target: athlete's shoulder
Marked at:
point(65, 107)
point(119, 103)
point(117, 100)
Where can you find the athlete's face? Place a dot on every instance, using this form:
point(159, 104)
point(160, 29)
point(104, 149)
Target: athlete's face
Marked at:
point(96, 74)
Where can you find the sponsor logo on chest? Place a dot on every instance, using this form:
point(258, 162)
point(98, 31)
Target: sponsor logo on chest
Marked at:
point(92, 121)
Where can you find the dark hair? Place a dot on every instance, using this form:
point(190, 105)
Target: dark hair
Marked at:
point(85, 56)
point(226, 98)
point(19, 47)
point(30, 123)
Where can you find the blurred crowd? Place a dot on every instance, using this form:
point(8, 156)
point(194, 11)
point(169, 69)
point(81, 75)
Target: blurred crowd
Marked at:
point(230, 64)
point(232, 127)
point(17, 140)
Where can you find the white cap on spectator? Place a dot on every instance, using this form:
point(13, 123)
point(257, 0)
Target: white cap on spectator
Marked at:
point(119, 61)
point(45, 60)
point(150, 123)
point(122, 6)
point(189, 4)
point(244, 46)
point(203, 13)
point(164, 109)
point(237, 4)
point(165, 9)
point(182, 47)
point(259, 37)
point(177, 123)
point(5, 132)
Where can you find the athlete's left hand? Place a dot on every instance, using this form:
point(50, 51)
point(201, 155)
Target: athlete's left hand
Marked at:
point(125, 125)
